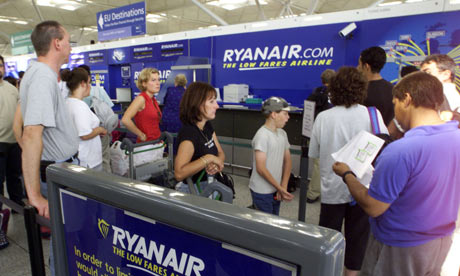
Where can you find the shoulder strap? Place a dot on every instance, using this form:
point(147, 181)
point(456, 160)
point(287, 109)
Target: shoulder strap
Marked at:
point(374, 119)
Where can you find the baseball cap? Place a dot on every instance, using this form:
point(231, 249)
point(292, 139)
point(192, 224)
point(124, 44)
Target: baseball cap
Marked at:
point(275, 104)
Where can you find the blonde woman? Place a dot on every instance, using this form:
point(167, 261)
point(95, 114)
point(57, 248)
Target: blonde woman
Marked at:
point(145, 109)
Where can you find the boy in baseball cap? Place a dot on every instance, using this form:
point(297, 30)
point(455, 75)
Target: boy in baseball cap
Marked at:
point(272, 159)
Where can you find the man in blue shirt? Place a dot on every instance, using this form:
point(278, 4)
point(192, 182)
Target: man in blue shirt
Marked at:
point(414, 196)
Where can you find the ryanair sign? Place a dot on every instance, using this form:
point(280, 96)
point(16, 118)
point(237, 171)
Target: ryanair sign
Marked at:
point(108, 241)
point(276, 57)
point(145, 254)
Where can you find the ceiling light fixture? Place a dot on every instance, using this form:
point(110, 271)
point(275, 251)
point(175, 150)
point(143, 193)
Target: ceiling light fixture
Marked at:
point(313, 18)
point(4, 20)
point(21, 22)
point(154, 18)
point(235, 4)
point(62, 4)
point(390, 3)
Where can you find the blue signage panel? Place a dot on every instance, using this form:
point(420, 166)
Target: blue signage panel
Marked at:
point(172, 50)
point(143, 53)
point(159, 51)
point(273, 62)
point(96, 58)
point(407, 36)
point(121, 22)
point(119, 55)
point(110, 241)
point(76, 60)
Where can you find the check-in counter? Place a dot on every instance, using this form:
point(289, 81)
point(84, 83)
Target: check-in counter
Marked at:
point(235, 128)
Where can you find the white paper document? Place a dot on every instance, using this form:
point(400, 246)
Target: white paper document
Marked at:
point(308, 118)
point(359, 153)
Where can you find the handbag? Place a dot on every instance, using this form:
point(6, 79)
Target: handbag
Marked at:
point(118, 159)
point(227, 180)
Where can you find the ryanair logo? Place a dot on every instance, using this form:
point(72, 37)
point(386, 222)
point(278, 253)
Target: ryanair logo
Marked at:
point(103, 227)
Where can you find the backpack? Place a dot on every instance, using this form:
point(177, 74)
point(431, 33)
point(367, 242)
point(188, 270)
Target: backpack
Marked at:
point(108, 118)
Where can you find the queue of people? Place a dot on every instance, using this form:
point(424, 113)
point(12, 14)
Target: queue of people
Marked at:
point(405, 218)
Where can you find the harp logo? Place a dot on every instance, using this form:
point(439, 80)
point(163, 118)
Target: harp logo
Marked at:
point(103, 227)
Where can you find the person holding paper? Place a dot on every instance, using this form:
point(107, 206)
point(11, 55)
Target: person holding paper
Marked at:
point(414, 196)
point(333, 129)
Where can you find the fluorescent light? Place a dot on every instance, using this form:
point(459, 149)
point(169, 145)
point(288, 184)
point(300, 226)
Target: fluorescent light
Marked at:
point(454, 2)
point(62, 4)
point(235, 4)
point(154, 18)
point(68, 7)
point(260, 24)
point(313, 18)
point(21, 22)
point(4, 20)
point(46, 3)
point(390, 3)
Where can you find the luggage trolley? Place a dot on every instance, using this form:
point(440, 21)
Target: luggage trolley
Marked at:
point(160, 167)
point(213, 190)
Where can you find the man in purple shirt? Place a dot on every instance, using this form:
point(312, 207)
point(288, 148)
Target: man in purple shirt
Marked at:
point(414, 196)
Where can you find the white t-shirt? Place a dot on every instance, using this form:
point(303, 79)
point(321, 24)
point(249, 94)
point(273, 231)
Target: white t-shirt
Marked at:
point(89, 151)
point(274, 144)
point(332, 129)
point(452, 95)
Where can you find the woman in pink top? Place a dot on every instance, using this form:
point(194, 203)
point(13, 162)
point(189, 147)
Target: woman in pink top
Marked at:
point(145, 109)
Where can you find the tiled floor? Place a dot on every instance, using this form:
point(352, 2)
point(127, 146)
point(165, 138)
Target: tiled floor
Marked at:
point(14, 260)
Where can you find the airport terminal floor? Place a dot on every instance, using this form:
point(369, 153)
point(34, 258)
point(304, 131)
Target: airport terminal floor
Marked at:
point(14, 260)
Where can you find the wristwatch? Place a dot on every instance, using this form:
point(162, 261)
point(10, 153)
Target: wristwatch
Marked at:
point(345, 174)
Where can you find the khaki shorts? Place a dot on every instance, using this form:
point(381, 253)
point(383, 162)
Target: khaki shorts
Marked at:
point(425, 259)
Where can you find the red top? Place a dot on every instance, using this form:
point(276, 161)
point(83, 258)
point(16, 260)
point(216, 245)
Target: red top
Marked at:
point(148, 119)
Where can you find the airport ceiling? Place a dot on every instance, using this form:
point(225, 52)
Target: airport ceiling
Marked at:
point(164, 16)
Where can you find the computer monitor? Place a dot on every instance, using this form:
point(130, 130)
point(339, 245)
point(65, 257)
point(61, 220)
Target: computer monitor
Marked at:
point(123, 95)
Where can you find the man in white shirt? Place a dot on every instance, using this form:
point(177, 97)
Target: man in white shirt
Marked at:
point(443, 68)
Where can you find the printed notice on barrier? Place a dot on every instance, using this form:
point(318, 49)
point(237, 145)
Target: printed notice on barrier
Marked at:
point(359, 153)
point(102, 240)
point(308, 118)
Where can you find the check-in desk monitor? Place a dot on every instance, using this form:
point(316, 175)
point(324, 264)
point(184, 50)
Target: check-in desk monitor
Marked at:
point(123, 95)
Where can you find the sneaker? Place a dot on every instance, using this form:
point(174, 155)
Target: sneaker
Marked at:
point(4, 218)
point(3, 240)
point(312, 200)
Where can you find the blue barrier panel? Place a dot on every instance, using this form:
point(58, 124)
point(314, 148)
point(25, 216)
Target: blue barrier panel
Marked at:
point(108, 225)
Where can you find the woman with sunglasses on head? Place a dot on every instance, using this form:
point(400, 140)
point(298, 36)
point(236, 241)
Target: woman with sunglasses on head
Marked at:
point(86, 122)
point(145, 109)
point(198, 147)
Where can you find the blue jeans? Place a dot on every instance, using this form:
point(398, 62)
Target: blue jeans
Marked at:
point(266, 203)
point(44, 192)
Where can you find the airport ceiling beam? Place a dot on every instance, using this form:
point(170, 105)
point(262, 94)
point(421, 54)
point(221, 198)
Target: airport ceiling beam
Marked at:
point(261, 11)
point(37, 10)
point(210, 13)
point(313, 5)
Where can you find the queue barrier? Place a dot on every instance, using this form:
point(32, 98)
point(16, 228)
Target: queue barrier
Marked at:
point(32, 222)
point(109, 225)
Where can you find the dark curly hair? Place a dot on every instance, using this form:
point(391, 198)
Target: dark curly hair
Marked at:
point(348, 87)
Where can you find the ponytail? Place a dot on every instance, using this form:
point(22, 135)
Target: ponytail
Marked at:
point(75, 77)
